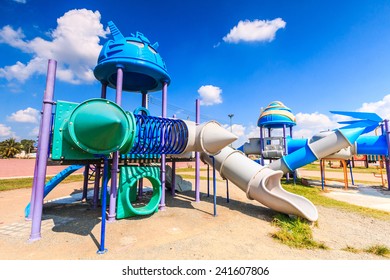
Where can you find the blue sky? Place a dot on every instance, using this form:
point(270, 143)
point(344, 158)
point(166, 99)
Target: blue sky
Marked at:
point(235, 56)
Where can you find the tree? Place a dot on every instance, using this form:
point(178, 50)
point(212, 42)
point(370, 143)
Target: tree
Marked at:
point(10, 147)
point(27, 145)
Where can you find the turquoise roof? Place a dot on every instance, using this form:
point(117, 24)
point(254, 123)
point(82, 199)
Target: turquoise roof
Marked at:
point(276, 115)
point(144, 70)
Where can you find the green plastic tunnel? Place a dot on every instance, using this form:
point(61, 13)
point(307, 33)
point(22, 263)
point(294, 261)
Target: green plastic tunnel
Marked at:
point(127, 191)
point(92, 117)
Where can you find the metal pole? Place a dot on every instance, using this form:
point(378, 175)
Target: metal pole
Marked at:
point(345, 174)
point(294, 172)
point(43, 149)
point(322, 174)
point(261, 145)
point(214, 188)
point(33, 191)
point(144, 103)
point(96, 186)
point(197, 156)
point(104, 91)
point(163, 158)
point(115, 156)
point(350, 170)
point(103, 94)
point(227, 191)
point(388, 153)
point(231, 126)
point(285, 150)
point(173, 186)
point(208, 180)
point(102, 250)
point(85, 185)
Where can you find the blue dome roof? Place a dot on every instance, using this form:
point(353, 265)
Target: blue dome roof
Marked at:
point(143, 67)
point(276, 115)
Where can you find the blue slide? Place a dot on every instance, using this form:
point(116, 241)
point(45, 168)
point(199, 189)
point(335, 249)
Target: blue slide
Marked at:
point(54, 182)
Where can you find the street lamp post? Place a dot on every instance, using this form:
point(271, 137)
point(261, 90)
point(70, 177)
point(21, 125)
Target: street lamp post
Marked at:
point(231, 127)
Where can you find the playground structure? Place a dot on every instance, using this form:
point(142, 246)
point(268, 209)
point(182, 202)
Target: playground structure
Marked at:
point(100, 132)
point(277, 115)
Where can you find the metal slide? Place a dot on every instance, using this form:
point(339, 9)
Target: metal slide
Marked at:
point(54, 182)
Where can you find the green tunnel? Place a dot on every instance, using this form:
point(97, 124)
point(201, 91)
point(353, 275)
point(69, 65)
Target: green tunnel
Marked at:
point(127, 191)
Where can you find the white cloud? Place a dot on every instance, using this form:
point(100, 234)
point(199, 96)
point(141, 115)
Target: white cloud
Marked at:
point(34, 132)
point(210, 95)
point(381, 107)
point(21, 1)
point(6, 132)
point(310, 124)
point(254, 31)
point(74, 44)
point(29, 115)
point(243, 133)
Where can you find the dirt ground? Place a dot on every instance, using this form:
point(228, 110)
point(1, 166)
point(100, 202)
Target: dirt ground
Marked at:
point(185, 230)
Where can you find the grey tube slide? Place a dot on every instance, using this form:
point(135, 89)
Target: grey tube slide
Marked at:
point(263, 183)
point(260, 183)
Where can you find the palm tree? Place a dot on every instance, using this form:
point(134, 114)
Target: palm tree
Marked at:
point(27, 145)
point(9, 148)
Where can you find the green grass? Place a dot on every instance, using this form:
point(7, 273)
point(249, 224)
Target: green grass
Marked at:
point(189, 176)
point(351, 249)
point(23, 183)
point(368, 183)
point(358, 169)
point(379, 250)
point(315, 195)
point(188, 169)
point(295, 232)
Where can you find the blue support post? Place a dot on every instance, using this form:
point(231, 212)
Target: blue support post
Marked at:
point(350, 170)
point(322, 174)
point(227, 191)
point(214, 188)
point(102, 250)
point(208, 180)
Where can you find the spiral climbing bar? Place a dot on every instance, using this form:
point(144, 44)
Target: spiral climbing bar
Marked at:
point(156, 135)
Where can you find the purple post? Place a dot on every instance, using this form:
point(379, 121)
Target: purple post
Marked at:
point(173, 183)
point(43, 149)
point(96, 186)
point(173, 187)
point(388, 153)
point(284, 140)
point(104, 91)
point(115, 157)
point(285, 150)
point(33, 188)
point(163, 159)
point(85, 185)
point(144, 103)
point(208, 180)
point(145, 99)
point(322, 167)
point(98, 166)
point(197, 157)
point(294, 172)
